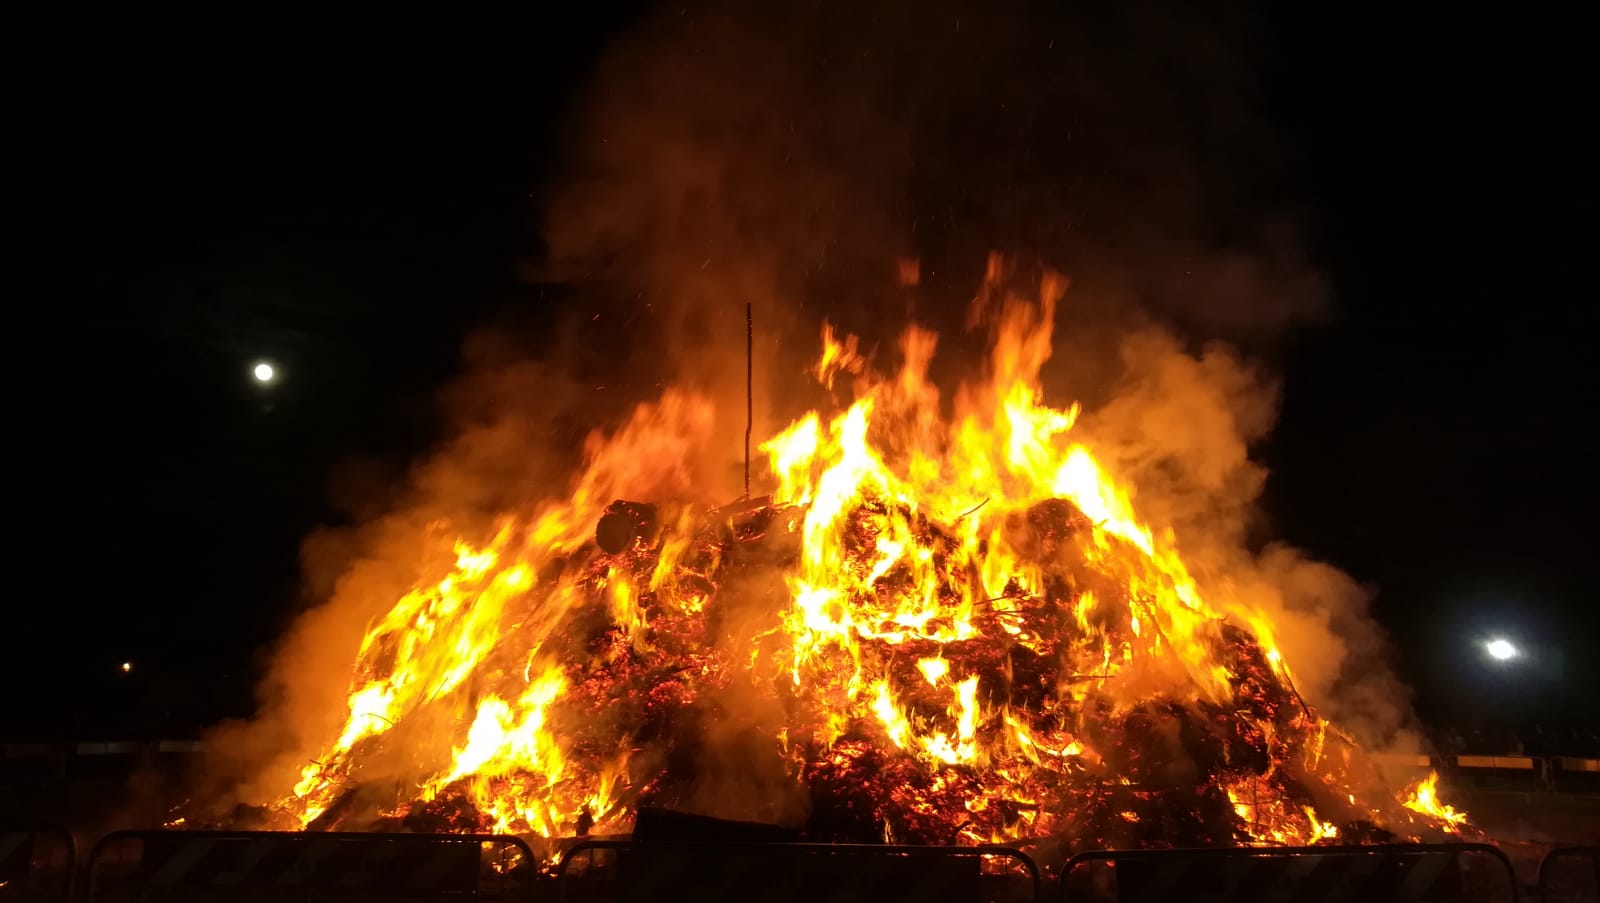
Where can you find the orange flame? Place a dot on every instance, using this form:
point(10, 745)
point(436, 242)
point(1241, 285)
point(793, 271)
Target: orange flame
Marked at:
point(1423, 798)
point(971, 596)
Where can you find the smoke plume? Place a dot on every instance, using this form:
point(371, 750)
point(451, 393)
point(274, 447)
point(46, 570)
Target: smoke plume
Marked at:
point(793, 158)
point(856, 163)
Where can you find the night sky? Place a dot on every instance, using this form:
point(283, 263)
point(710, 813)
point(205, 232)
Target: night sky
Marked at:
point(350, 205)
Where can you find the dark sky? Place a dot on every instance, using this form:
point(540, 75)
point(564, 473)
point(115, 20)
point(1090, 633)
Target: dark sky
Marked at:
point(350, 205)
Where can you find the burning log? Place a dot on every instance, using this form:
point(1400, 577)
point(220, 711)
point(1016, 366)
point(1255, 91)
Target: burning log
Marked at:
point(331, 818)
point(625, 524)
point(453, 813)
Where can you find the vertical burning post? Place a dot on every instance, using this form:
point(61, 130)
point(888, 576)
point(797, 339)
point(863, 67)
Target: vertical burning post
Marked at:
point(749, 389)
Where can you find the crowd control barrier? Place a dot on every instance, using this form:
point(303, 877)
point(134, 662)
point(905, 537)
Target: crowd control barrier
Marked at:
point(1570, 875)
point(1397, 873)
point(268, 867)
point(36, 864)
point(633, 872)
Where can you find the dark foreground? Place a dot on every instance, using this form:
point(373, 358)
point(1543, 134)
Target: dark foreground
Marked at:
point(102, 799)
point(230, 867)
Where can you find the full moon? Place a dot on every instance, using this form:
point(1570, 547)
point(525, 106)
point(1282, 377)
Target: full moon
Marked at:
point(1501, 650)
point(264, 373)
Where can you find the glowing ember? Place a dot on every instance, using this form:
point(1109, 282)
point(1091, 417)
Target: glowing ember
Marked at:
point(956, 626)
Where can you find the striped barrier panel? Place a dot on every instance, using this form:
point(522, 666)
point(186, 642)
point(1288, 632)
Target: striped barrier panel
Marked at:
point(1410, 873)
point(36, 864)
point(98, 748)
point(1403, 768)
point(633, 872)
point(1571, 774)
point(1570, 875)
point(107, 748)
point(1498, 763)
point(1507, 773)
point(1402, 761)
point(266, 866)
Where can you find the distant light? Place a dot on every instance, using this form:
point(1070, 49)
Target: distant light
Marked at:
point(126, 667)
point(264, 372)
point(1501, 650)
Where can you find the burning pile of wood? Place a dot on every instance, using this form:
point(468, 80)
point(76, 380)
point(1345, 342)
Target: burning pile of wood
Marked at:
point(945, 625)
point(1164, 771)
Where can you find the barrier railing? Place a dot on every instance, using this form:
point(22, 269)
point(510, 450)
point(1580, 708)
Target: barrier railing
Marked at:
point(101, 748)
point(228, 866)
point(1570, 875)
point(1562, 774)
point(632, 872)
point(1569, 774)
point(1423, 873)
point(1403, 762)
point(1522, 774)
point(36, 864)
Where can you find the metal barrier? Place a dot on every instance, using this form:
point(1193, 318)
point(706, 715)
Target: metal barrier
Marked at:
point(265, 866)
point(36, 864)
point(1521, 774)
point(629, 872)
point(1497, 763)
point(1574, 775)
point(1570, 875)
point(1403, 764)
point(1416, 873)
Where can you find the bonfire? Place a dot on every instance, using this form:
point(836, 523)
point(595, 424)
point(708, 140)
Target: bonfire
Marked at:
point(943, 623)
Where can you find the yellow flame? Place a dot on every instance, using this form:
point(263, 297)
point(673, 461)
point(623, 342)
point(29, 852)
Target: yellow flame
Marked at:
point(1423, 797)
point(520, 674)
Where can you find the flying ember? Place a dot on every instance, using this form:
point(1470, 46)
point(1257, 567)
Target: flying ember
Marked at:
point(945, 624)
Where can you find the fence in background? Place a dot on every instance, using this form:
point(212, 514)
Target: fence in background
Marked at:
point(269, 867)
point(1558, 774)
point(1398, 873)
point(629, 872)
point(38, 864)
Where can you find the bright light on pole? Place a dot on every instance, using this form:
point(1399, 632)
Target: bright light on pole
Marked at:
point(264, 372)
point(1501, 650)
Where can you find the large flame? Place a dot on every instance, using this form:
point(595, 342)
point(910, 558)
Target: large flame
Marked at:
point(973, 638)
